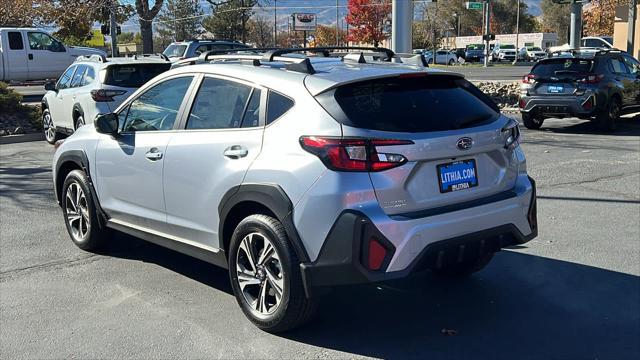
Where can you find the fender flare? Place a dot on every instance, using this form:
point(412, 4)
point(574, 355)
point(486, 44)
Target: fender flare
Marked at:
point(271, 196)
point(80, 159)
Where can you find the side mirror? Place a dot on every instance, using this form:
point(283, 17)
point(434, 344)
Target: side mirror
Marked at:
point(50, 86)
point(106, 124)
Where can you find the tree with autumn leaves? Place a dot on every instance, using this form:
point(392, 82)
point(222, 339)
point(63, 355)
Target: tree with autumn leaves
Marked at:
point(599, 17)
point(367, 19)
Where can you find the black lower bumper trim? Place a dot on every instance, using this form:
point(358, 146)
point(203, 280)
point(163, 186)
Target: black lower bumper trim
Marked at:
point(339, 262)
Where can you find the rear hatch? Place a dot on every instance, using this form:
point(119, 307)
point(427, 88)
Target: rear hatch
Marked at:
point(559, 77)
point(121, 80)
point(456, 150)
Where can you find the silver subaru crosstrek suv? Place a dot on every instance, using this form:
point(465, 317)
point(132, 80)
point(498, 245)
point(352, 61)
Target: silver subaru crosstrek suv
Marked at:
point(301, 173)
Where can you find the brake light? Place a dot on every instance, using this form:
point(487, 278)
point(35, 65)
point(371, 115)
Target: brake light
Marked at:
point(591, 79)
point(529, 79)
point(512, 133)
point(354, 154)
point(589, 103)
point(102, 95)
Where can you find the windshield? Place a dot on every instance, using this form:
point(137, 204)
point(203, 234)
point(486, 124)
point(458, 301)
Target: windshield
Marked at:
point(133, 75)
point(175, 50)
point(411, 104)
point(535, 49)
point(562, 68)
point(511, 47)
point(475, 47)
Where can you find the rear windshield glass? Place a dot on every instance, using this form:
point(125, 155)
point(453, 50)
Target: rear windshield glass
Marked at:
point(133, 75)
point(175, 50)
point(507, 47)
point(422, 104)
point(562, 67)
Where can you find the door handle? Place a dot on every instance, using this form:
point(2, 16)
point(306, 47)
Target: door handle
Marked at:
point(30, 56)
point(153, 154)
point(236, 152)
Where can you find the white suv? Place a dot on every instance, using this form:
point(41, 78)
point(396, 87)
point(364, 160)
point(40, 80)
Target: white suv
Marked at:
point(93, 85)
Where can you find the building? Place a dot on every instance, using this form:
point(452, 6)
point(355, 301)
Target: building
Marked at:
point(621, 30)
point(542, 40)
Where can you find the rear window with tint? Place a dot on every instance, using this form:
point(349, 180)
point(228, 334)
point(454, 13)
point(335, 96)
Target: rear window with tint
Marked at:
point(423, 104)
point(277, 105)
point(562, 67)
point(133, 75)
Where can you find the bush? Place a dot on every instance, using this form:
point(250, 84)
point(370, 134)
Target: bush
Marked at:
point(16, 117)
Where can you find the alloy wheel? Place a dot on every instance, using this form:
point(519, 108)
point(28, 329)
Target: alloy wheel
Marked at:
point(260, 274)
point(77, 211)
point(49, 129)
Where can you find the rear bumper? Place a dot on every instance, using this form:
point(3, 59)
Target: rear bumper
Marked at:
point(561, 106)
point(343, 257)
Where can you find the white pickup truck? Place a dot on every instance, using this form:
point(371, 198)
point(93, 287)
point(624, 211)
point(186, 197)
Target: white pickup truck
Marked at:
point(32, 54)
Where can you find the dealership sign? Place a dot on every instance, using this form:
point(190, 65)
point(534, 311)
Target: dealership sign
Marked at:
point(304, 22)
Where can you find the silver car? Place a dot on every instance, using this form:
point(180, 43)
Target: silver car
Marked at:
point(300, 173)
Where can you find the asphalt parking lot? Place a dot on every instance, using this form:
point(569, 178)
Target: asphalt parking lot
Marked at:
point(571, 293)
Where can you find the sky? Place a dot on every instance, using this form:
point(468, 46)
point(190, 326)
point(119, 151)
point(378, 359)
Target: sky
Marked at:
point(325, 10)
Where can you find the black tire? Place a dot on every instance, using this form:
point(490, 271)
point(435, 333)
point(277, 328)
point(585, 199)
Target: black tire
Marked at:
point(451, 62)
point(49, 129)
point(606, 120)
point(294, 309)
point(465, 268)
point(79, 121)
point(89, 235)
point(531, 121)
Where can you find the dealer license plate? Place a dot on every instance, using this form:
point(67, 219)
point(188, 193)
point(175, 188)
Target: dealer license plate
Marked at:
point(457, 175)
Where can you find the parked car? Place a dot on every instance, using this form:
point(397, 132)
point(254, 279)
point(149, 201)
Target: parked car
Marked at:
point(598, 86)
point(474, 52)
point(93, 85)
point(532, 53)
point(193, 48)
point(600, 42)
point(445, 57)
point(501, 52)
point(380, 180)
point(32, 54)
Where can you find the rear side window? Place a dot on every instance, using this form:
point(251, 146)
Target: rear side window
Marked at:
point(558, 67)
point(78, 76)
point(133, 75)
point(617, 67)
point(277, 105)
point(415, 104)
point(220, 104)
point(15, 41)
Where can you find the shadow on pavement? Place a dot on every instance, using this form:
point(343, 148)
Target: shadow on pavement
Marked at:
point(520, 307)
point(625, 127)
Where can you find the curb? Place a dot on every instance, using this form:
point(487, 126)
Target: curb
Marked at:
point(13, 139)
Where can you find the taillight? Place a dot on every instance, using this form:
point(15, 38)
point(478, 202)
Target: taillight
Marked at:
point(591, 79)
point(589, 103)
point(522, 103)
point(529, 79)
point(512, 133)
point(354, 154)
point(102, 95)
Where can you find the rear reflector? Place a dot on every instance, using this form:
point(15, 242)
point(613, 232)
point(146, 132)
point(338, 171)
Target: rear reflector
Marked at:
point(354, 154)
point(377, 253)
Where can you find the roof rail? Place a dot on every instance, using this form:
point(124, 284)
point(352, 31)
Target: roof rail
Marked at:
point(94, 57)
point(160, 55)
point(326, 51)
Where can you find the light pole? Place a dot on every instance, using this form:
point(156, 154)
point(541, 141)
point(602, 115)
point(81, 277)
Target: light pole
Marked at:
point(337, 25)
point(402, 14)
point(631, 24)
point(275, 23)
point(517, 33)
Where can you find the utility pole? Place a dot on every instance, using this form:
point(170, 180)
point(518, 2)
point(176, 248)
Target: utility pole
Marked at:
point(114, 29)
point(244, 23)
point(517, 33)
point(487, 24)
point(275, 23)
point(576, 24)
point(631, 25)
point(337, 25)
point(401, 26)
